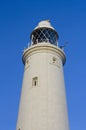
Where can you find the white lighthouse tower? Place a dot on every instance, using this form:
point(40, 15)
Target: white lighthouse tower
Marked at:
point(43, 100)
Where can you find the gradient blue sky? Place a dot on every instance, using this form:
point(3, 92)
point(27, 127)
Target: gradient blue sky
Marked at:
point(17, 20)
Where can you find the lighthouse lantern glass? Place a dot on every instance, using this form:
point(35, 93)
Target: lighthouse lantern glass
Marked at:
point(44, 35)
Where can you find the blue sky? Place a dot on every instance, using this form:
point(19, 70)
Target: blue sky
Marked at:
point(17, 20)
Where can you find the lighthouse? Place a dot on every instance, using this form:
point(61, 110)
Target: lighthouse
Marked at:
point(43, 100)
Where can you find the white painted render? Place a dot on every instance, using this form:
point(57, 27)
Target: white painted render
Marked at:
point(43, 107)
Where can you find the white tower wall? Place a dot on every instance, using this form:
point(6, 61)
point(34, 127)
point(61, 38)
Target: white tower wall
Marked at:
point(43, 100)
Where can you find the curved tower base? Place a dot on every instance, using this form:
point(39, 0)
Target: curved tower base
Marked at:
point(43, 102)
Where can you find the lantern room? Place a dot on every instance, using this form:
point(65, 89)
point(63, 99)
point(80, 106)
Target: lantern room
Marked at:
point(44, 33)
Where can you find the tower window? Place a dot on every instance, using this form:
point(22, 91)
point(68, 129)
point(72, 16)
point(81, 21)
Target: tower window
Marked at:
point(35, 81)
point(54, 60)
